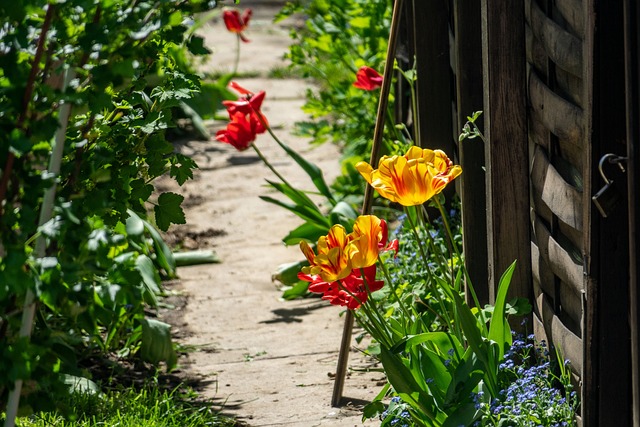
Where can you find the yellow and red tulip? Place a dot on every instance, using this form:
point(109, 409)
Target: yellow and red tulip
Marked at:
point(413, 178)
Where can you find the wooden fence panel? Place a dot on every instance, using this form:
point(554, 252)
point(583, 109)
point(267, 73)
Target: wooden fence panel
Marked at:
point(558, 138)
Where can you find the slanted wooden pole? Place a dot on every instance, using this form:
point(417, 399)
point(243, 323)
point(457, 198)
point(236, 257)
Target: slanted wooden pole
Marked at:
point(345, 344)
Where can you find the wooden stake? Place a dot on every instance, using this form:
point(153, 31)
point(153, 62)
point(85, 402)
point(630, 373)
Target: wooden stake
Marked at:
point(345, 343)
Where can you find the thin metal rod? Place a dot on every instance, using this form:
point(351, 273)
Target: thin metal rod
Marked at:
point(383, 103)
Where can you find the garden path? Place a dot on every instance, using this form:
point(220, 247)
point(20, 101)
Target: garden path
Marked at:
point(266, 361)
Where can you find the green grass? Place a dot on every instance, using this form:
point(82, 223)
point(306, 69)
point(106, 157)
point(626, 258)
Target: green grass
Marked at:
point(149, 407)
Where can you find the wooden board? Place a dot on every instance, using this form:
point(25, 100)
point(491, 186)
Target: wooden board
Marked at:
point(558, 115)
point(559, 335)
point(561, 198)
point(558, 258)
point(562, 47)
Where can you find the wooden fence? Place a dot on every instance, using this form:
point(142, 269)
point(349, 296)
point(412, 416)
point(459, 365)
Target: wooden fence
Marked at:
point(558, 83)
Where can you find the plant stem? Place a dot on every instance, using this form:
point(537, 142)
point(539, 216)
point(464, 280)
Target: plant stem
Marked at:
point(445, 313)
point(237, 61)
point(269, 165)
point(458, 254)
point(403, 308)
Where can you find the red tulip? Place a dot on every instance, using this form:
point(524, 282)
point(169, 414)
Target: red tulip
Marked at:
point(367, 79)
point(350, 292)
point(240, 132)
point(248, 104)
point(237, 23)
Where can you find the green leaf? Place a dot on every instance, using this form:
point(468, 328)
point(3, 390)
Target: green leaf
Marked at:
point(168, 210)
point(196, 258)
point(307, 231)
point(499, 330)
point(182, 168)
point(402, 381)
point(135, 225)
point(361, 22)
point(156, 345)
point(80, 384)
point(164, 254)
point(344, 214)
point(303, 212)
point(196, 121)
point(296, 196)
point(287, 274)
point(197, 46)
point(150, 279)
point(314, 172)
point(299, 290)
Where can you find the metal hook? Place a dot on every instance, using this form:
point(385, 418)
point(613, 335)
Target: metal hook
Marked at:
point(613, 159)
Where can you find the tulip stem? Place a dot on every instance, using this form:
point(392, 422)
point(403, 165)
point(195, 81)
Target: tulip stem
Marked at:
point(237, 61)
point(405, 313)
point(426, 262)
point(474, 296)
point(270, 166)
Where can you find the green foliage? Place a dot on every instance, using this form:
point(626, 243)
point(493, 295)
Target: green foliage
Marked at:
point(339, 37)
point(150, 406)
point(123, 70)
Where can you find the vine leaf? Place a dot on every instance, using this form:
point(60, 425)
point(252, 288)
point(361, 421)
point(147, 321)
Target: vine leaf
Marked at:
point(168, 210)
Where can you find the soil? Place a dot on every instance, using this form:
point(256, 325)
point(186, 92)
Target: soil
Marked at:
point(266, 361)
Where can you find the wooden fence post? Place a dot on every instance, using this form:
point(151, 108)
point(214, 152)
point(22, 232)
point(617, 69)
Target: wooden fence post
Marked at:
point(433, 119)
point(506, 153)
point(468, 71)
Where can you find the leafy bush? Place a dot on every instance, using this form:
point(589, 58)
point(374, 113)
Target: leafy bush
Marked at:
point(89, 88)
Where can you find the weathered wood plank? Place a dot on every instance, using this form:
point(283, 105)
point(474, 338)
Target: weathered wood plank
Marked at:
point(469, 99)
point(541, 334)
point(433, 120)
point(570, 85)
point(543, 277)
point(561, 117)
point(543, 282)
point(506, 153)
point(573, 13)
point(570, 150)
point(571, 304)
point(559, 335)
point(558, 258)
point(563, 199)
point(536, 56)
point(564, 49)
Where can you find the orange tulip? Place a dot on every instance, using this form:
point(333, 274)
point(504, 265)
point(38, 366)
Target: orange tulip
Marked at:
point(368, 238)
point(332, 262)
point(411, 179)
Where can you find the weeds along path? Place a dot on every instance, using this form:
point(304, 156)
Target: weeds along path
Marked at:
point(266, 361)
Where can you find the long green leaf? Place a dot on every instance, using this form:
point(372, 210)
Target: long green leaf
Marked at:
point(307, 231)
point(344, 214)
point(405, 385)
point(499, 330)
point(156, 345)
point(302, 211)
point(296, 196)
point(314, 172)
